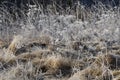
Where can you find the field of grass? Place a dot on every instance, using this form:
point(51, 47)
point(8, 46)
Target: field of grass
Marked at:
point(80, 44)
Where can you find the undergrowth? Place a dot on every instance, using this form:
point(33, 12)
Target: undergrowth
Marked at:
point(76, 43)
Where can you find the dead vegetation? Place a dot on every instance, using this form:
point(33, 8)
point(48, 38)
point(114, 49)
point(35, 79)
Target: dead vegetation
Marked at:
point(51, 63)
point(77, 43)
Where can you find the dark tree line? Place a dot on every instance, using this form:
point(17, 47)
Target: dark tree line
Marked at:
point(17, 5)
point(62, 3)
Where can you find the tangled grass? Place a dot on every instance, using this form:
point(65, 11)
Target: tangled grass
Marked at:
point(61, 46)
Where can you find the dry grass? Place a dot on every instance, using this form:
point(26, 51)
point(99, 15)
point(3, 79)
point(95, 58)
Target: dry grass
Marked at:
point(61, 47)
point(15, 44)
point(2, 43)
point(51, 65)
